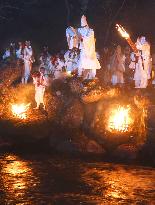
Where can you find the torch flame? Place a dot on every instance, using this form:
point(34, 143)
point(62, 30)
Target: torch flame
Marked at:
point(122, 31)
point(119, 119)
point(19, 110)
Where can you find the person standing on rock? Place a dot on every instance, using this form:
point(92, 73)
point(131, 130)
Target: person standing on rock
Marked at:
point(40, 82)
point(88, 62)
point(141, 63)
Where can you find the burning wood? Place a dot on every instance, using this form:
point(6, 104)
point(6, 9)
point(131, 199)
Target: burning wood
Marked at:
point(119, 119)
point(19, 110)
point(125, 35)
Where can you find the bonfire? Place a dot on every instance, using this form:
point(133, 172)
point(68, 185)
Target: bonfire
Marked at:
point(20, 110)
point(120, 119)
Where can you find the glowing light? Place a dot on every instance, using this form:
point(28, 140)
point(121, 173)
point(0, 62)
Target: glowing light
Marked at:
point(19, 110)
point(17, 176)
point(122, 31)
point(69, 73)
point(119, 119)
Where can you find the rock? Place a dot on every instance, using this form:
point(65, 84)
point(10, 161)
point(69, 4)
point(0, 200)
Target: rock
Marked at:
point(68, 147)
point(126, 152)
point(94, 147)
point(73, 115)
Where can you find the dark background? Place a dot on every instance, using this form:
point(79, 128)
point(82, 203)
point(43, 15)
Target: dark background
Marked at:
point(44, 21)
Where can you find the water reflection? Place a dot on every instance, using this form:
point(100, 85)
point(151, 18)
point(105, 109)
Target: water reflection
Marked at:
point(48, 180)
point(118, 183)
point(17, 178)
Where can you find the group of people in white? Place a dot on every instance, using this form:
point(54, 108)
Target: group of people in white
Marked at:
point(81, 59)
point(140, 63)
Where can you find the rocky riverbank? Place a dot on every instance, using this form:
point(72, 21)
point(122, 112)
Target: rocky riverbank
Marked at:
point(75, 120)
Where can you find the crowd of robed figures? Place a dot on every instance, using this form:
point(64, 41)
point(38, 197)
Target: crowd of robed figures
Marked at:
point(82, 60)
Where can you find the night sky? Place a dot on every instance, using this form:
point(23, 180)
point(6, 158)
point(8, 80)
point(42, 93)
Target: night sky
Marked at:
point(44, 21)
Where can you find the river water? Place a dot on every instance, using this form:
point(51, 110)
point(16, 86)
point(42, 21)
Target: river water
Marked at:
point(44, 179)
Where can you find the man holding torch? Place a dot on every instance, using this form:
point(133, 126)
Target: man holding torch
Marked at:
point(140, 58)
point(142, 65)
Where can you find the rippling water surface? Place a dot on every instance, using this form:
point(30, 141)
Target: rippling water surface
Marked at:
point(47, 180)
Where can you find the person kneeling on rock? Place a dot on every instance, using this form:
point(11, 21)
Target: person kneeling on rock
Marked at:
point(39, 81)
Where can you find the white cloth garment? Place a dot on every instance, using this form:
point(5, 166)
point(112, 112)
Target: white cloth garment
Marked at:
point(46, 63)
point(40, 84)
point(6, 54)
point(88, 59)
point(19, 54)
point(141, 64)
point(144, 48)
point(27, 64)
point(72, 38)
point(117, 67)
point(71, 60)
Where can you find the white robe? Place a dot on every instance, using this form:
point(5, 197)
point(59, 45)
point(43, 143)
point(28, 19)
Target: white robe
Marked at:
point(6, 54)
point(18, 53)
point(88, 59)
point(140, 75)
point(40, 90)
point(71, 60)
point(72, 38)
point(117, 67)
point(145, 53)
point(27, 64)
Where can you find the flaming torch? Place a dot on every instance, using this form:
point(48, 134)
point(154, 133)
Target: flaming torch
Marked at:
point(19, 110)
point(126, 36)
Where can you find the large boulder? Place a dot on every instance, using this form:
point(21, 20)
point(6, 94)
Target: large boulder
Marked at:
point(125, 152)
point(72, 115)
point(94, 148)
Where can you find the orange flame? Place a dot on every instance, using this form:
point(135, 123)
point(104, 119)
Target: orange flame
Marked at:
point(119, 119)
point(122, 31)
point(19, 110)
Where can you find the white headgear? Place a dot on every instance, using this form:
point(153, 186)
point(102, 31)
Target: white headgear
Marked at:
point(84, 21)
point(142, 39)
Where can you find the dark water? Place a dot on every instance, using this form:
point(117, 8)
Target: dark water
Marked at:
point(47, 180)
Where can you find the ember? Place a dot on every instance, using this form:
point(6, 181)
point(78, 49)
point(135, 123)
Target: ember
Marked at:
point(19, 110)
point(120, 119)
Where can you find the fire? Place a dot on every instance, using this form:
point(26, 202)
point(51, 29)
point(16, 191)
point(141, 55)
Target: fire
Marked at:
point(122, 31)
point(19, 110)
point(120, 119)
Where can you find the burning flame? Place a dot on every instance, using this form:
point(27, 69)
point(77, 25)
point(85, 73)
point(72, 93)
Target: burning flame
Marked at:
point(120, 119)
point(122, 31)
point(19, 110)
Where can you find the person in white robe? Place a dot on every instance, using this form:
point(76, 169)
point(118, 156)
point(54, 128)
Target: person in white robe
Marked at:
point(40, 81)
point(72, 37)
point(88, 62)
point(141, 62)
point(27, 62)
point(71, 61)
point(117, 67)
